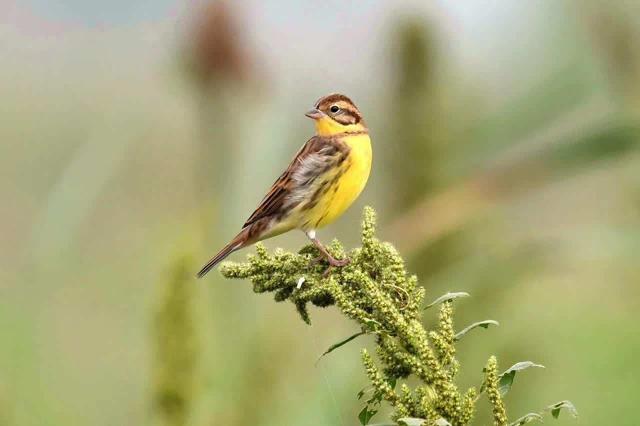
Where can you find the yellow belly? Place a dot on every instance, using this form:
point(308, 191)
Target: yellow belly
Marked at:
point(345, 189)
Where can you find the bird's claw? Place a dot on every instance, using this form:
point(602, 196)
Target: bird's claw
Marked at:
point(316, 260)
point(339, 263)
point(335, 263)
point(332, 261)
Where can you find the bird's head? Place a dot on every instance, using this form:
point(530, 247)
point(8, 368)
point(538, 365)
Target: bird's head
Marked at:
point(335, 114)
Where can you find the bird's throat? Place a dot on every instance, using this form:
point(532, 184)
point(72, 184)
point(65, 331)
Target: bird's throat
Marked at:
point(325, 126)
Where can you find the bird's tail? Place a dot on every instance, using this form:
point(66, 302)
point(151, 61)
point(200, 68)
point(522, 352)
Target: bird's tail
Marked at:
point(240, 240)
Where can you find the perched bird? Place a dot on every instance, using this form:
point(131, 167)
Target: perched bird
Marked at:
point(322, 181)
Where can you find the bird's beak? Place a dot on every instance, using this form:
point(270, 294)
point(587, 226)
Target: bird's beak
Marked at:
point(315, 114)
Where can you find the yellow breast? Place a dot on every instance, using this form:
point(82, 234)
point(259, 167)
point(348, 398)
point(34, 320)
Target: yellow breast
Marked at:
point(346, 184)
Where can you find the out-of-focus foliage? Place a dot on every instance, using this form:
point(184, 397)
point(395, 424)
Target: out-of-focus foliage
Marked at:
point(525, 193)
point(175, 348)
point(419, 126)
point(416, 121)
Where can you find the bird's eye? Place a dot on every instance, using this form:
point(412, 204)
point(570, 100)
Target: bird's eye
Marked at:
point(335, 108)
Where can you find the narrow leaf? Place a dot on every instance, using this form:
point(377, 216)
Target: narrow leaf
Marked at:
point(526, 419)
point(341, 343)
point(558, 406)
point(522, 365)
point(483, 324)
point(372, 324)
point(366, 415)
point(361, 393)
point(376, 398)
point(506, 378)
point(505, 382)
point(392, 382)
point(413, 421)
point(447, 297)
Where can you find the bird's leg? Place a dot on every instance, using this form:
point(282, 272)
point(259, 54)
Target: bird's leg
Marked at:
point(324, 253)
point(316, 260)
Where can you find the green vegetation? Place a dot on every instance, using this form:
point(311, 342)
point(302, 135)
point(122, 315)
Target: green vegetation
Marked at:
point(375, 290)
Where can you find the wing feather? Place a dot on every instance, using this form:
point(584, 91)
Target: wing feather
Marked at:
point(317, 150)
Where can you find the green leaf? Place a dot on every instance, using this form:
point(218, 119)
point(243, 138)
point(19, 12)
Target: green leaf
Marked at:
point(341, 343)
point(483, 324)
point(526, 419)
point(372, 325)
point(442, 422)
point(365, 415)
point(361, 393)
point(506, 378)
point(558, 406)
point(376, 398)
point(392, 382)
point(412, 421)
point(447, 297)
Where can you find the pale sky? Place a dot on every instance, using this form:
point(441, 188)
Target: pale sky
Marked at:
point(298, 43)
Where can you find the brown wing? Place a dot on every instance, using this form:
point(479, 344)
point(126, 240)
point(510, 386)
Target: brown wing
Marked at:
point(278, 195)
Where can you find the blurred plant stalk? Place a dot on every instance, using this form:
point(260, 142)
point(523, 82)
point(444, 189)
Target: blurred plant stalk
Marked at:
point(418, 132)
point(176, 347)
point(615, 38)
point(218, 65)
point(223, 90)
point(416, 129)
point(530, 164)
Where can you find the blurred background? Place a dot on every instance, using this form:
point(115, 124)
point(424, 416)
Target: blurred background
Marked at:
point(138, 136)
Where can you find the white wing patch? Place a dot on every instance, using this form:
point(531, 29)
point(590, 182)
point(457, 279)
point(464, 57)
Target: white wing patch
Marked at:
point(309, 168)
point(310, 165)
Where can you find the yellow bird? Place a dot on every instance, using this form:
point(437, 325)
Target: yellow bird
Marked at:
point(322, 181)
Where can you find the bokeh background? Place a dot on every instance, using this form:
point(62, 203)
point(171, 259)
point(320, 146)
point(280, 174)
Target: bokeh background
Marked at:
point(136, 137)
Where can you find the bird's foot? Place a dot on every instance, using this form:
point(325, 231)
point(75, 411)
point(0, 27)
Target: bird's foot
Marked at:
point(316, 260)
point(325, 255)
point(339, 263)
point(334, 263)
